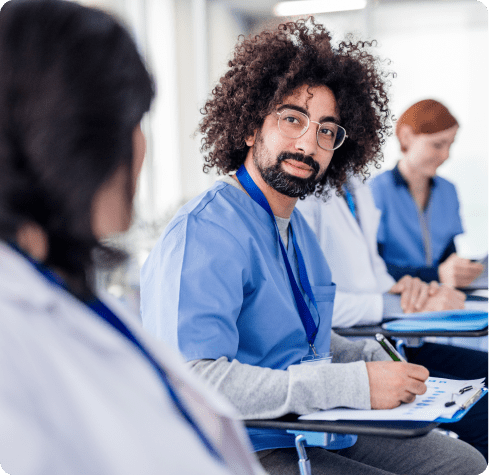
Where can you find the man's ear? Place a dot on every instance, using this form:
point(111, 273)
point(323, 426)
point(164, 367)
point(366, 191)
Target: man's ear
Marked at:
point(250, 141)
point(405, 135)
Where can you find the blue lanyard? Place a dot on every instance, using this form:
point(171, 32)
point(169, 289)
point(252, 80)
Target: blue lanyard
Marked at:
point(350, 202)
point(305, 314)
point(107, 315)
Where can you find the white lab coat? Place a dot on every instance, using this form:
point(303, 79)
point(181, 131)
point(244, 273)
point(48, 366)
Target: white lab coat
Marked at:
point(77, 397)
point(359, 272)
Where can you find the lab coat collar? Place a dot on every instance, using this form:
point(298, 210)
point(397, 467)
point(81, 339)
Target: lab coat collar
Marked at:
point(15, 269)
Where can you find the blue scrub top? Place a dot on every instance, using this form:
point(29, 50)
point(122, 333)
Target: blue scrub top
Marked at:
point(216, 285)
point(400, 233)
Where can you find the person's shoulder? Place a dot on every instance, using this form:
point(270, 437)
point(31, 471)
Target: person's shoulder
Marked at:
point(209, 205)
point(382, 186)
point(309, 204)
point(382, 178)
point(300, 224)
point(219, 212)
point(206, 201)
point(446, 189)
point(443, 182)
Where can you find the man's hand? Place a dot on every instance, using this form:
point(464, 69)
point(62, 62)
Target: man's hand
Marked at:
point(392, 383)
point(414, 293)
point(458, 272)
point(445, 298)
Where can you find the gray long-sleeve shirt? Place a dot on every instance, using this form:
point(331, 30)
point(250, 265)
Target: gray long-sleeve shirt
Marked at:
point(259, 392)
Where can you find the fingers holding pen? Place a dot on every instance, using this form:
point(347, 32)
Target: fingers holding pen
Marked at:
point(393, 383)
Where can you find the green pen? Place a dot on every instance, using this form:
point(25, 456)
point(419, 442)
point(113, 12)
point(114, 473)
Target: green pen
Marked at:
point(387, 346)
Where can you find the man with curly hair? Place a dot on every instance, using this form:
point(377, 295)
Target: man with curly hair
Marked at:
point(238, 282)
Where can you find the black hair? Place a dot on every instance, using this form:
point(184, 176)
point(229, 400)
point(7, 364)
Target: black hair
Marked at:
point(72, 89)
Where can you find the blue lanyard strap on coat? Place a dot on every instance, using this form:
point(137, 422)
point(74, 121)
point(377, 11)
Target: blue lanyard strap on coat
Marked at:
point(305, 314)
point(108, 316)
point(350, 202)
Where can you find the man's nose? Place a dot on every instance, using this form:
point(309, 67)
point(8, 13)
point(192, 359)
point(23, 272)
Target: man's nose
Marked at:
point(307, 143)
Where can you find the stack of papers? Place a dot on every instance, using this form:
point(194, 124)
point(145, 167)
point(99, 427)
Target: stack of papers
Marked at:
point(455, 320)
point(427, 407)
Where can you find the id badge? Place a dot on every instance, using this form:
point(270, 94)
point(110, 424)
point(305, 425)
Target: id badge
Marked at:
point(317, 359)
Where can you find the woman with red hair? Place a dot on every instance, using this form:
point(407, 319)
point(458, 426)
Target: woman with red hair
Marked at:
point(420, 210)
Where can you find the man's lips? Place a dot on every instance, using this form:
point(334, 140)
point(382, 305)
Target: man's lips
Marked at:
point(299, 165)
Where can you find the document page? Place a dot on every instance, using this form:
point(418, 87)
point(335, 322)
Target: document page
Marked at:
point(427, 407)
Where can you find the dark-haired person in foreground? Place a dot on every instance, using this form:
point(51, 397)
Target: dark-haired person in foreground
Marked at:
point(238, 282)
point(83, 389)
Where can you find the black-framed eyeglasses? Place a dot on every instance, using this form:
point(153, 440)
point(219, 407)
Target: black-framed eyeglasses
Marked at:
point(294, 124)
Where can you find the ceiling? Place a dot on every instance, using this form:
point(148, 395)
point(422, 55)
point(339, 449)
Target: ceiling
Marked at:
point(265, 7)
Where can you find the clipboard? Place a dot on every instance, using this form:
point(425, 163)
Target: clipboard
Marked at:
point(463, 411)
point(445, 401)
point(388, 428)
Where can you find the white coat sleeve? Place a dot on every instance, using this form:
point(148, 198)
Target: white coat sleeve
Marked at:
point(356, 308)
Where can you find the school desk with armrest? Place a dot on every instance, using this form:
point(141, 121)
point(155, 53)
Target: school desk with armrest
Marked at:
point(323, 433)
point(471, 326)
point(413, 338)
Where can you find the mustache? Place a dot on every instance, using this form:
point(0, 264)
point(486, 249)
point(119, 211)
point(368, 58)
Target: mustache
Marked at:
point(306, 159)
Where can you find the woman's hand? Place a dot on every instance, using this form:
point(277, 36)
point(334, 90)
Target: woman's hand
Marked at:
point(458, 272)
point(414, 293)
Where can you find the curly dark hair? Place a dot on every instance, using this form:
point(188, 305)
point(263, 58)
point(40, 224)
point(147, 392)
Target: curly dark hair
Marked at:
point(270, 66)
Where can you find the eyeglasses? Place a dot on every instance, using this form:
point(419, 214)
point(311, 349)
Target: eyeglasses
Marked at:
point(294, 124)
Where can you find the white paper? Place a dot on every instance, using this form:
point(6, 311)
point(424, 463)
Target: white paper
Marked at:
point(427, 407)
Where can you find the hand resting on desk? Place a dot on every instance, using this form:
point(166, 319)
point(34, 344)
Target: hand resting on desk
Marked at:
point(392, 383)
point(444, 299)
point(418, 296)
point(414, 293)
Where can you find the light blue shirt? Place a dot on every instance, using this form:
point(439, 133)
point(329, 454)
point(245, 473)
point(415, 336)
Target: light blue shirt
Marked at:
point(215, 283)
point(409, 237)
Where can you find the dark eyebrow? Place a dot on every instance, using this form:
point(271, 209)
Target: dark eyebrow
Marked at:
point(304, 111)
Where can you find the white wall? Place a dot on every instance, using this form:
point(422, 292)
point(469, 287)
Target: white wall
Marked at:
point(438, 50)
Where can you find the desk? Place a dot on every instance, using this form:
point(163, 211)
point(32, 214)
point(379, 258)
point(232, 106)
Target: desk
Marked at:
point(480, 294)
point(370, 331)
point(310, 431)
point(395, 429)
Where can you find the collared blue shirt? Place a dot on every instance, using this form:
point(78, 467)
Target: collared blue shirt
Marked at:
point(413, 241)
point(215, 285)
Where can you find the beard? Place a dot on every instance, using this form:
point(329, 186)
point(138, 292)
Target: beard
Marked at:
point(279, 179)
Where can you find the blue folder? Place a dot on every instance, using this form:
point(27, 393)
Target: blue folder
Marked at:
point(456, 320)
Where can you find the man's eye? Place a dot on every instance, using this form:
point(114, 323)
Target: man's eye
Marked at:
point(326, 131)
point(292, 119)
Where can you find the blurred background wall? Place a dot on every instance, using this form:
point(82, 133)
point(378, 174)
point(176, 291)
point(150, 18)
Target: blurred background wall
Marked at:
point(437, 48)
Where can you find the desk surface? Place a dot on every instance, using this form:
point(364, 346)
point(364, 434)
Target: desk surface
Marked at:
point(369, 331)
point(395, 429)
